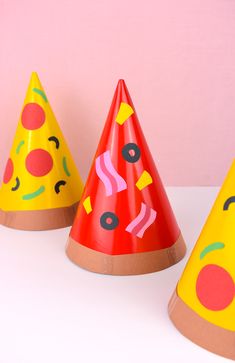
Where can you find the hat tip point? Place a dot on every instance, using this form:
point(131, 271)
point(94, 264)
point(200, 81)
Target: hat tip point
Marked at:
point(34, 74)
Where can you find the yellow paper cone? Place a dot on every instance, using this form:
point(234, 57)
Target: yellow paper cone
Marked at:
point(41, 185)
point(203, 305)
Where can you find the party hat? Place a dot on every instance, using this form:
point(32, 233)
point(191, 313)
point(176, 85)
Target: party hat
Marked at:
point(41, 186)
point(124, 223)
point(203, 305)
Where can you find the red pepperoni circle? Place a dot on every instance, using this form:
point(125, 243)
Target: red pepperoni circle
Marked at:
point(33, 116)
point(8, 171)
point(215, 287)
point(39, 162)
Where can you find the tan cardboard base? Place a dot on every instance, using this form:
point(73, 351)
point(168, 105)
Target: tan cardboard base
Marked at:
point(200, 331)
point(128, 264)
point(39, 220)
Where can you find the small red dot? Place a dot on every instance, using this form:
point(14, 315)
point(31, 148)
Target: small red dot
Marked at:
point(215, 287)
point(8, 171)
point(33, 116)
point(132, 152)
point(39, 162)
point(109, 220)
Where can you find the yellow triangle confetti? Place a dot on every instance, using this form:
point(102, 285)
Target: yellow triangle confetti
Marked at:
point(87, 205)
point(144, 180)
point(125, 111)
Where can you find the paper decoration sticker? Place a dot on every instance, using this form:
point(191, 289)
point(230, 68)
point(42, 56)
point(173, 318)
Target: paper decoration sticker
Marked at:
point(203, 305)
point(41, 185)
point(124, 223)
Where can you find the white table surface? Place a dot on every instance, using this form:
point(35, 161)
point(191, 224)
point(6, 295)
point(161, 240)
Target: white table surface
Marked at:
point(53, 311)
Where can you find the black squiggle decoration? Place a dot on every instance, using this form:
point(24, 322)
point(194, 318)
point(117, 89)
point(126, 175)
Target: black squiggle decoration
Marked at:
point(58, 185)
point(228, 202)
point(56, 141)
point(17, 185)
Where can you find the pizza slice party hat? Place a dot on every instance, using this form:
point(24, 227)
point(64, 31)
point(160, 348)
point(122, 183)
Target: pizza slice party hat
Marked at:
point(41, 185)
point(203, 305)
point(124, 223)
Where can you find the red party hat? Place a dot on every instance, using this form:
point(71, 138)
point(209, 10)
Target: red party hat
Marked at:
point(124, 223)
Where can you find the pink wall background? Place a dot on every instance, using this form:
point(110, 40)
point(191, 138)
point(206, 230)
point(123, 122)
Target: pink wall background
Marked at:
point(178, 60)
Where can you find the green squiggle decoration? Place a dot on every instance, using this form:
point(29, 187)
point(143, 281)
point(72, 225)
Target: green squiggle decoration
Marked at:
point(34, 194)
point(66, 170)
point(41, 93)
point(21, 143)
point(211, 247)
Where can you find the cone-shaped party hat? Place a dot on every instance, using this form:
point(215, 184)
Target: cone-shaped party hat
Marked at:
point(124, 223)
point(41, 186)
point(203, 305)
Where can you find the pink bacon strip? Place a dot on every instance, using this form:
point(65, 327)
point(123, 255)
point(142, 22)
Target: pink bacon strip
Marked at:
point(105, 170)
point(144, 219)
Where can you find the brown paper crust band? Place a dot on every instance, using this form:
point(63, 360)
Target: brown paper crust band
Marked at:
point(209, 336)
point(39, 220)
point(127, 264)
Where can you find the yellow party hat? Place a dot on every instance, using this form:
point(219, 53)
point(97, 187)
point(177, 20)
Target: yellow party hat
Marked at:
point(203, 305)
point(41, 185)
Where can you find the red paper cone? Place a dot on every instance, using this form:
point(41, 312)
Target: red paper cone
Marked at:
point(124, 223)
